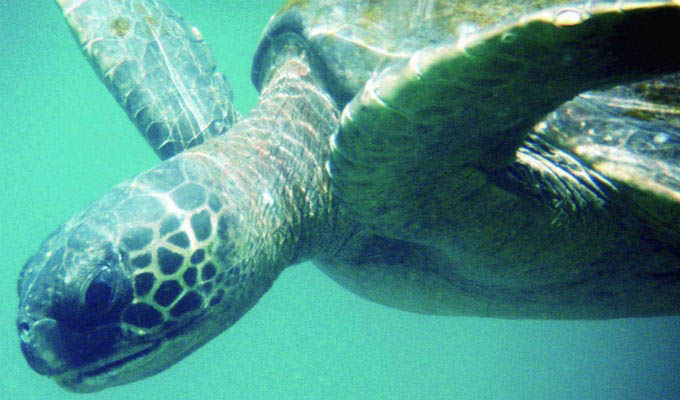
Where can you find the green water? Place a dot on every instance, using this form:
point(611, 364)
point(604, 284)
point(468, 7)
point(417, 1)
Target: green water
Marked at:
point(63, 142)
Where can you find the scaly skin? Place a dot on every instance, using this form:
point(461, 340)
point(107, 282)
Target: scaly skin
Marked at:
point(165, 262)
point(187, 247)
point(157, 67)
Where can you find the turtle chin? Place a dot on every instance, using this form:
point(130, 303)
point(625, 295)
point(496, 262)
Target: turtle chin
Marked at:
point(125, 368)
point(136, 362)
point(140, 361)
point(84, 361)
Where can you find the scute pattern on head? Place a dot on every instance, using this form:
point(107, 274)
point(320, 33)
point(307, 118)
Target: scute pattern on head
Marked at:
point(163, 229)
point(174, 258)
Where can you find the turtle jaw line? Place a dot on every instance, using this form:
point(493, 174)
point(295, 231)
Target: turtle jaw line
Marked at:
point(88, 380)
point(116, 364)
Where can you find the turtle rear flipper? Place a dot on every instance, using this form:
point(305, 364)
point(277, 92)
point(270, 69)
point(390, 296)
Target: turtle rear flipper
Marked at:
point(158, 68)
point(423, 136)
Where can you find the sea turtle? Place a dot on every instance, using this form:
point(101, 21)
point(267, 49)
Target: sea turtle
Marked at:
point(450, 157)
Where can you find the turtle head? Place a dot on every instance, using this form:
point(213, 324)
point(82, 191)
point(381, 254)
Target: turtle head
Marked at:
point(135, 282)
point(72, 295)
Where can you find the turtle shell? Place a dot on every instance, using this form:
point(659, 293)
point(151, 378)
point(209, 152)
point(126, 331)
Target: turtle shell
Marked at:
point(355, 39)
point(488, 54)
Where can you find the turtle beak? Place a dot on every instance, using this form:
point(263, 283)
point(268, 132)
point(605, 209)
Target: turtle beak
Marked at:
point(52, 347)
point(42, 342)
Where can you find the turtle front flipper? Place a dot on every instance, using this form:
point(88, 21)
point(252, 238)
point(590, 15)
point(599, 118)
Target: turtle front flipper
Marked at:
point(158, 68)
point(425, 136)
point(631, 135)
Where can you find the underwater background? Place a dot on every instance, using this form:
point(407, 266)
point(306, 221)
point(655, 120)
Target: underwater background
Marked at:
point(64, 141)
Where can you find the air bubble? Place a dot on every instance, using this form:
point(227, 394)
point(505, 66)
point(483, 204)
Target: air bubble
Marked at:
point(569, 17)
point(196, 34)
point(508, 37)
point(661, 138)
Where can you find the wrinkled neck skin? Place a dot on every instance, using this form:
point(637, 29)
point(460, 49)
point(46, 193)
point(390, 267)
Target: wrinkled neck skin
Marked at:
point(275, 186)
point(274, 183)
point(274, 164)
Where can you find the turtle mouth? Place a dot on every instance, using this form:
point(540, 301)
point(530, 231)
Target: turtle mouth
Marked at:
point(90, 380)
point(117, 364)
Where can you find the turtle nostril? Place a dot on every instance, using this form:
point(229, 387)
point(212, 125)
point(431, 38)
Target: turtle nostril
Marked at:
point(41, 343)
point(24, 331)
point(25, 328)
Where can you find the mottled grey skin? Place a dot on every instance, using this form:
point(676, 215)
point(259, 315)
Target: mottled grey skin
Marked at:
point(523, 228)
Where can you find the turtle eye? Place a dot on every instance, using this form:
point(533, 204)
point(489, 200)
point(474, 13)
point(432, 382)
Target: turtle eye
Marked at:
point(99, 294)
